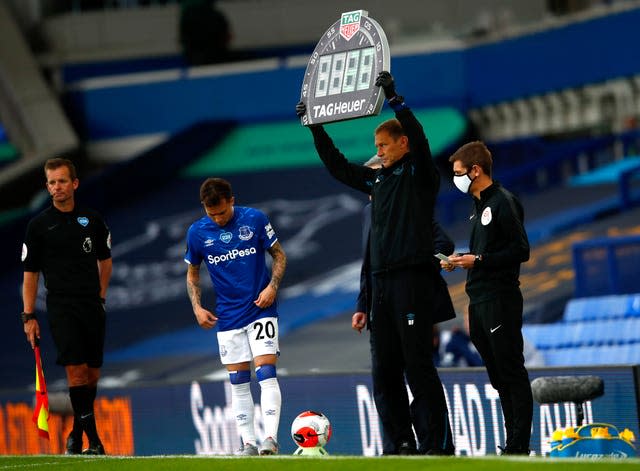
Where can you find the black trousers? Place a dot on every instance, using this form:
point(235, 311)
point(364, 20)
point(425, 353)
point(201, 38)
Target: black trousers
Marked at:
point(495, 327)
point(401, 348)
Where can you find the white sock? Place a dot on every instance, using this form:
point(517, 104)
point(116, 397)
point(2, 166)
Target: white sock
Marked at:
point(270, 402)
point(242, 404)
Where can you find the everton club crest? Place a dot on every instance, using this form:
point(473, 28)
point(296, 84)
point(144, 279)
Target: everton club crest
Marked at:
point(339, 82)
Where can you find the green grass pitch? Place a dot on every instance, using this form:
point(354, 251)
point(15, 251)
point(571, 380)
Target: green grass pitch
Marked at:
point(327, 463)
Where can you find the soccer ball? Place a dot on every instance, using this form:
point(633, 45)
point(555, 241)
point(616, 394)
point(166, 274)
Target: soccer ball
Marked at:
point(311, 429)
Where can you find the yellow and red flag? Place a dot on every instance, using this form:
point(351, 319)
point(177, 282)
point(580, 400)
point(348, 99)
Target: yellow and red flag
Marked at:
point(41, 409)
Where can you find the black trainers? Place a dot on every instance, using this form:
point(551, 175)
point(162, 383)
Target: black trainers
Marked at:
point(74, 445)
point(406, 448)
point(440, 452)
point(514, 451)
point(94, 449)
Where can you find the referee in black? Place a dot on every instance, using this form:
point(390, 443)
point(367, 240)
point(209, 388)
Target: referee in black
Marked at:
point(498, 246)
point(71, 246)
point(403, 194)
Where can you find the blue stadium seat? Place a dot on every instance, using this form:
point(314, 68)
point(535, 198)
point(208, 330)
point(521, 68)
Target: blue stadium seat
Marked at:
point(629, 330)
point(588, 355)
point(628, 353)
point(576, 342)
point(617, 354)
point(575, 332)
point(602, 307)
point(633, 352)
point(531, 332)
point(601, 332)
point(555, 357)
point(633, 305)
point(547, 336)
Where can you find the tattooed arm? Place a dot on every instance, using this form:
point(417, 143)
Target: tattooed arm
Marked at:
point(206, 319)
point(268, 295)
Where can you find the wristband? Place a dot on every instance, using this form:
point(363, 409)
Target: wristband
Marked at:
point(397, 103)
point(27, 316)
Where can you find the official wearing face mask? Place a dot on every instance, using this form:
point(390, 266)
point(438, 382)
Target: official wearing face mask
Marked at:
point(463, 182)
point(498, 245)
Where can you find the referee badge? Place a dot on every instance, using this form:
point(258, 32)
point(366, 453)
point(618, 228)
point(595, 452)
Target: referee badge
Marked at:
point(486, 216)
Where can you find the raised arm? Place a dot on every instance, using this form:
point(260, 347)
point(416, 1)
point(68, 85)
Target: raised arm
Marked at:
point(357, 177)
point(418, 143)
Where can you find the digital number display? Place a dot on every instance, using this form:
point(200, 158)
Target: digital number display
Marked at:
point(339, 82)
point(344, 72)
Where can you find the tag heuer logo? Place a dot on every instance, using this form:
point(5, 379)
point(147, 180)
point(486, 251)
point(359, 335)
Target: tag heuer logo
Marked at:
point(349, 24)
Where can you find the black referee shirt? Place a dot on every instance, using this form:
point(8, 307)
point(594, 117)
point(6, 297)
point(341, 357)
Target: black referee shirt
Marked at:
point(65, 247)
point(498, 235)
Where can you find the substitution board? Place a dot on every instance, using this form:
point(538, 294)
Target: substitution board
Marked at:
point(339, 82)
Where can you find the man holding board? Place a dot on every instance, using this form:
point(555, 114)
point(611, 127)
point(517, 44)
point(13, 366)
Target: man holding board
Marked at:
point(403, 194)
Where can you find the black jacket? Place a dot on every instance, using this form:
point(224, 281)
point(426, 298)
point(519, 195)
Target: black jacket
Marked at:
point(498, 235)
point(402, 197)
point(444, 310)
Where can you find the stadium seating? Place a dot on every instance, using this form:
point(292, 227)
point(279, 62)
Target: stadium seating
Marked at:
point(594, 331)
point(583, 356)
point(603, 307)
point(516, 114)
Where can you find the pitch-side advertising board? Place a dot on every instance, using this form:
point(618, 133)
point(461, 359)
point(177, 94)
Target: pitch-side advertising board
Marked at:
point(196, 418)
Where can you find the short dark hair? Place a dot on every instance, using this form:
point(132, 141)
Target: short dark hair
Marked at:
point(393, 127)
point(58, 162)
point(214, 190)
point(474, 153)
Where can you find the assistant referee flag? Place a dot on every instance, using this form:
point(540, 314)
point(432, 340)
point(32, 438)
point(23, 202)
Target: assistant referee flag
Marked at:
point(41, 410)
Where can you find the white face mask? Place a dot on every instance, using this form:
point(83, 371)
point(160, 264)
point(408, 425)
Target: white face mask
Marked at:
point(463, 182)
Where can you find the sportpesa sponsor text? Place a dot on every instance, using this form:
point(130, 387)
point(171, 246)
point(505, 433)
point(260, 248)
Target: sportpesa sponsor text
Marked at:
point(231, 255)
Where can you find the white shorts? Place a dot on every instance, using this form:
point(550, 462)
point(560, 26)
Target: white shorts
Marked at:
point(242, 345)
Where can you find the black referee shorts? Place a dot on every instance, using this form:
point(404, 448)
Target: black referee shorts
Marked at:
point(77, 327)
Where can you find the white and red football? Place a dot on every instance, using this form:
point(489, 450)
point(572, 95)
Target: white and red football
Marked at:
point(311, 429)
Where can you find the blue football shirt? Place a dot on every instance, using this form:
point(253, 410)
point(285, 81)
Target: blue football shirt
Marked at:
point(235, 258)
